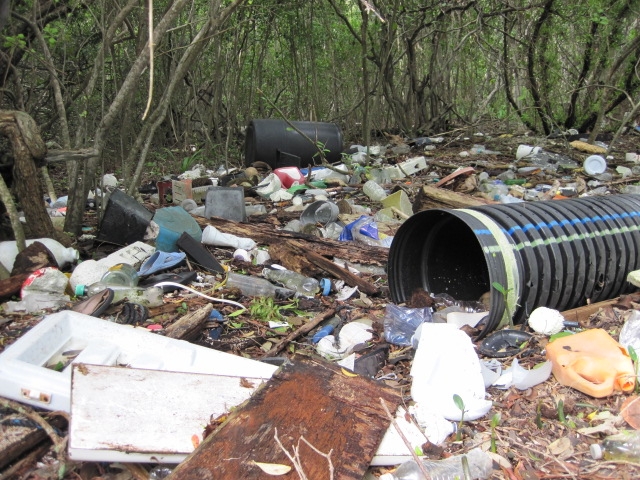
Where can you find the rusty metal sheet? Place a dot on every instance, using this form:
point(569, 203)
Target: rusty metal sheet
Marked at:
point(333, 410)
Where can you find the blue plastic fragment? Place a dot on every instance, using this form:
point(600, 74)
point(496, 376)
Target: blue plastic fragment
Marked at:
point(216, 315)
point(323, 332)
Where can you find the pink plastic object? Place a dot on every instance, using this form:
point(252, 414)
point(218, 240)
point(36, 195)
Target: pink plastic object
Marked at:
point(289, 175)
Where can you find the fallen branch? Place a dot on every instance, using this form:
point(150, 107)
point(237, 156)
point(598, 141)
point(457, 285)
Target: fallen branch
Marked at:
point(415, 456)
point(59, 444)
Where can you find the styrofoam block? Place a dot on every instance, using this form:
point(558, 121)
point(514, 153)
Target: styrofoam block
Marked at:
point(409, 167)
point(24, 375)
point(169, 411)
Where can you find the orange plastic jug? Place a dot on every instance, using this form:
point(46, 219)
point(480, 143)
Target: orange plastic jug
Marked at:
point(592, 362)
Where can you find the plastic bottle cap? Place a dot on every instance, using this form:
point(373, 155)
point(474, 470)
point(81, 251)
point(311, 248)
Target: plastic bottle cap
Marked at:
point(80, 290)
point(595, 165)
point(596, 451)
point(325, 285)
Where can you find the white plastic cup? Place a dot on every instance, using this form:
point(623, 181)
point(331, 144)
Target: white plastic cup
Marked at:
point(526, 150)
point(632, 157)
point(595, 165)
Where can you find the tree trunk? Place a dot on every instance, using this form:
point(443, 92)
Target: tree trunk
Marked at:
point(28, 148)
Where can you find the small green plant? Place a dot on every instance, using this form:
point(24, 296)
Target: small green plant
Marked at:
point(634, 358)
point(495, 421)
point(504, 291)
point(457, 399)
point(183, 308)
point(190, 160)
point(561, 416)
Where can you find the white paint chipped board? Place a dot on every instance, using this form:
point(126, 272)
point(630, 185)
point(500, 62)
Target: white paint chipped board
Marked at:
point(134, 415)
point(66, 338)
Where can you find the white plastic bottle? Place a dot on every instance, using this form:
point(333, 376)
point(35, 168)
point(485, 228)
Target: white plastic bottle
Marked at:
point(62, 254)
point(480, 466)
point(295, 281)
point(374, 191)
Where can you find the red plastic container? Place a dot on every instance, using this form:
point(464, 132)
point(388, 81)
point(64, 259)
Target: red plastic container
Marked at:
point(289, 175)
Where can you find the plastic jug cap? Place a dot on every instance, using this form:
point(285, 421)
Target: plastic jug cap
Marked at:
point(80, 290)
point(596, 451)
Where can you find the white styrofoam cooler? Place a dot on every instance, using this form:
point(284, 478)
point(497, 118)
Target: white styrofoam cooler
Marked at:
point(26, 377)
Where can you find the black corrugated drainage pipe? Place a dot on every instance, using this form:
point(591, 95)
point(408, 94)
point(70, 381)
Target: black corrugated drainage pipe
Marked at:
point(276, 143)
point(557, 254)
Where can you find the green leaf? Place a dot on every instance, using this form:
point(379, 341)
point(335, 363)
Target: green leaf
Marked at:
point(632, 353)
point(559, 335)
point(498, 286)
point(457, 399)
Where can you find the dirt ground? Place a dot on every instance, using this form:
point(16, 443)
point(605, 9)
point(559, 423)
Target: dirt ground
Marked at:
point(543, 432)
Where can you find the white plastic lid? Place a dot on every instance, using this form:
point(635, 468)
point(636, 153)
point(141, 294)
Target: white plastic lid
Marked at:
point(596, 451)
point(595, 165)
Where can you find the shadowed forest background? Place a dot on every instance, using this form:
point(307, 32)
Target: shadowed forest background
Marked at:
point(96, 86)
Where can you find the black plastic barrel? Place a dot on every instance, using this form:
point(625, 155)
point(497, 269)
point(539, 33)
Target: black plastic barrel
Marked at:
point(276, 143)
point(557, 254)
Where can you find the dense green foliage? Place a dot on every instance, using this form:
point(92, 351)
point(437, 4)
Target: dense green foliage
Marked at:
point(431, 66)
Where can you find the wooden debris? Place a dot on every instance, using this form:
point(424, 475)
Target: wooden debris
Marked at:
point(309, 402)
point(295, 255)
point(189, 326)
point(267, 234)
point(432, 197)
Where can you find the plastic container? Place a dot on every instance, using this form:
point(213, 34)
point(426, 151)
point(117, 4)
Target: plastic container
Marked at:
point(63, 255)
point(623, 446)
point(289, 176)
point(121, 274)
point(295, 281)
point(374, 191)
point(592, 362)
point(256, 287)
point(48, 280)
point(480, 467)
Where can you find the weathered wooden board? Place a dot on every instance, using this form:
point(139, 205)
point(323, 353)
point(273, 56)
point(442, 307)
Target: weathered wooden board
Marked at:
point(310, 398)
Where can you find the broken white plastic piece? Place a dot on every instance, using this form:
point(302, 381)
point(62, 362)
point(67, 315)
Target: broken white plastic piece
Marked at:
point(521, 378)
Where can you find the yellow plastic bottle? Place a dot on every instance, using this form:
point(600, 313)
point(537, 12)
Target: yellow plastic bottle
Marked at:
point(592, 362)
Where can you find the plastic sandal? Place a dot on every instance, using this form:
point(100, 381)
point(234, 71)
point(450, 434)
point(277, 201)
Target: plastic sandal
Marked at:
point(160, 261)
point(96, 304)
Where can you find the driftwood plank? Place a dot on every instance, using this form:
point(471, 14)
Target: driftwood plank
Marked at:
point(310, 398)
point(431, 197)
point(189, 326)
point(266, 234)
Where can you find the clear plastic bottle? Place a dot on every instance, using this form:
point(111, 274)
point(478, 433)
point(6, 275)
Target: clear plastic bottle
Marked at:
point(149, 297)
point(121, 274)
point(374, 191)
point(480, 466)
point(622, 446)
point(256, 287)
point(295, 281)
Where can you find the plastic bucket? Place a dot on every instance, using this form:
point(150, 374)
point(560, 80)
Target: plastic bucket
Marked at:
point(125, 220)
point(274, 142)
point(555, 254)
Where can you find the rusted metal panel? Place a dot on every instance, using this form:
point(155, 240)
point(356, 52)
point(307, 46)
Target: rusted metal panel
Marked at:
point(333, 410)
